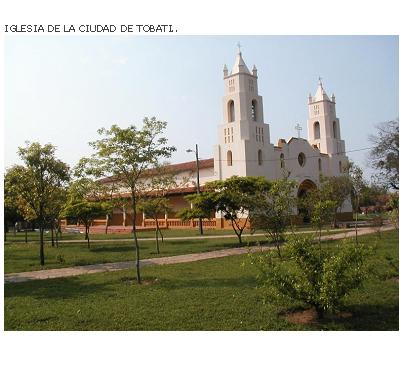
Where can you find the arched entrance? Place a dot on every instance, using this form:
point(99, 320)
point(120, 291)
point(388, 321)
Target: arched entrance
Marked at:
point(306, 186)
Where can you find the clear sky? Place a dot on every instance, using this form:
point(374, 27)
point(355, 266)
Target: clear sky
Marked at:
point(62, 89)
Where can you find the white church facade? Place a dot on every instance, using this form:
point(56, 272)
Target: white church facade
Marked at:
point(244, 148)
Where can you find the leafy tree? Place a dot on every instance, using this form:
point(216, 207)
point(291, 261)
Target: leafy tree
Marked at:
point(233, 197)
point(153, 207)
point(385, 153)
point(85, 212)
point(12, 213)
point(321, 206)
point(272, 210)
point(162, 180)
point(319, 279)
point(54, 211)
point(337, 190)
point(127, 154)
point(36, 182)
point(370, 194)
point(393, 206)
point(89, 184)
point(357, 184)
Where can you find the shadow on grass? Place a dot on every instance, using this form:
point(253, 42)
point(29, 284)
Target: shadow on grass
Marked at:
point(366, 317)
point(112, 249)
point(63, 288)
point(248, 281)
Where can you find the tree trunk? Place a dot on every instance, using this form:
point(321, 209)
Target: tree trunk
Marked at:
point(42, 252)
point(157, 236)
point(356, 219)
point(26, 233)
point(57, 237)
point(161, 234)
point(87, 235)
point(278, 249)
point(320, 312)
point(137, 259)
point(107, 224)
point(320, 238)
point(52, 233)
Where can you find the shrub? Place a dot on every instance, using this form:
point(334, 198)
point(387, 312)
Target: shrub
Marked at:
point(319, 278)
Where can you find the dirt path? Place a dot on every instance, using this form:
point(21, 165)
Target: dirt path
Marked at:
point(185, 258)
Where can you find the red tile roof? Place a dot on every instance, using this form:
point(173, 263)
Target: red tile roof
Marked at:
point(174, 168)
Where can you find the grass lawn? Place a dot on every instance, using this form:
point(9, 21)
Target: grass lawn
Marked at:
point(217, 294)
point(19, 237)
point(22, 257)
point(34, 236)
point(25, 257)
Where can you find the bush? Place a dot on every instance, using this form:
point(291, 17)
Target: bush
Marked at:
point(319, 278)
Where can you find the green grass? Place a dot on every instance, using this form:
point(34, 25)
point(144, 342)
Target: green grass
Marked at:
point(22, 257)
point(217, 294)
point(25, 257)
point(19, 237)
point(34, 236)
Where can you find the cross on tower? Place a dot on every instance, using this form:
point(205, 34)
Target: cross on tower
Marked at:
point(239, 47)
point(299, 129)
point(320, 81)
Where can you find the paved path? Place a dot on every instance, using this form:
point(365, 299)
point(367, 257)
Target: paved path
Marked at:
point(185, 258)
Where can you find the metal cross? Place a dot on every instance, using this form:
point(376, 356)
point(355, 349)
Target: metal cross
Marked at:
point(239, 47)
point(320, 81)
point(299, 129)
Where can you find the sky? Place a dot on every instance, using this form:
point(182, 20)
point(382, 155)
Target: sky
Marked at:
point(62, 89)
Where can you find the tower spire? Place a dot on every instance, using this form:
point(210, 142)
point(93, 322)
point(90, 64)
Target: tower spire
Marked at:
point(239, 48)
point(239, 65)
point(320, 92)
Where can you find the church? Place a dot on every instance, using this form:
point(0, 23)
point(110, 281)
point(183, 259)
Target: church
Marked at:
point(244, 148)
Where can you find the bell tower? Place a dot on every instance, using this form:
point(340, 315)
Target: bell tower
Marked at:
point(324, 128)
point(243, 135)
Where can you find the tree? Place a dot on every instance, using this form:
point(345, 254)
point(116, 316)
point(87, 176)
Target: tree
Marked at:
point(36, 182)
point(12, 213)
point(337, 190)
point(153, 207)
point(233, 197)
point(393, 205)
point(127, 154)
point(272, 210)
point(357, 184)
point(89, 185)
point(85, 212)
point(370, 194)
point(154, 202)
point(321, 208)
point(319, 278)
point(54, 211)
point(384, 155)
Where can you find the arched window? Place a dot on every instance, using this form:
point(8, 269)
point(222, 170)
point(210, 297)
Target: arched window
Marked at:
point(253, 111)
point(340, 167)
point(260, 160)
point(282, 163)
point(334, 129)
point(316, 130)
point(231, 111)
point(229, 158)
point(319, 162)
point(301, 159)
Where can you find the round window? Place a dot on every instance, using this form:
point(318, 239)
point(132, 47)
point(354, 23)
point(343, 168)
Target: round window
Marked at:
point(301, 159)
